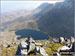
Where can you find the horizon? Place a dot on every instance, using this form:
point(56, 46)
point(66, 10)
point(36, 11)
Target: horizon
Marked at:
point(8, 6)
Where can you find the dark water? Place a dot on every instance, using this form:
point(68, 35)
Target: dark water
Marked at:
point(33, 33)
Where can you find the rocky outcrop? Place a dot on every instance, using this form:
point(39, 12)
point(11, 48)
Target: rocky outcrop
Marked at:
point(29, 45)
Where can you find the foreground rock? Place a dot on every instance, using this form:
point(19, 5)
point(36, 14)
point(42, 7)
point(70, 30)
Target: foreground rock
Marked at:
point(25, 47)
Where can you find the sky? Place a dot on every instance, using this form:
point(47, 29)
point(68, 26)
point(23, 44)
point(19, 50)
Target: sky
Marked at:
point(8, 6)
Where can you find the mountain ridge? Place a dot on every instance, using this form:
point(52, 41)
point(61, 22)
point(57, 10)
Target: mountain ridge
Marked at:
point(59, 21)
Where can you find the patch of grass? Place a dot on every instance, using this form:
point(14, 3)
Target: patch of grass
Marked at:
point(52, 48)
point(42, 42)
point(49, 51)
point(9, 51)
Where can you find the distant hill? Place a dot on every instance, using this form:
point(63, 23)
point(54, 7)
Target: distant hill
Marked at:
point(59, 21)
point(16, 16)
point(9, 16)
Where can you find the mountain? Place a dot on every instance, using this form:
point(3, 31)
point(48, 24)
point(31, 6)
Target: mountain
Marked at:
point(44, 8)
point(9, 16)
point(55, 20)
point(16, 16)
point(59, 21)
point(21, 19)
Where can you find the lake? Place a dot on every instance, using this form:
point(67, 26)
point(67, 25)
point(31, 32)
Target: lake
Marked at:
point(37, 35)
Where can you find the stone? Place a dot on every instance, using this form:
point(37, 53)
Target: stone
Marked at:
point(43, 52)
point(61, 40)
point(72, 39)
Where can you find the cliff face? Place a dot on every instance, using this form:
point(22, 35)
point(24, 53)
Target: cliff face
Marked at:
point(59, 21)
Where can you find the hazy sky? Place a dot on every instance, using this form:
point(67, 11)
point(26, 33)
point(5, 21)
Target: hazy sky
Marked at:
point(7, 6)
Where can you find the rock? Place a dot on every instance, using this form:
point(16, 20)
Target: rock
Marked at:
point(38, 44)
point(31, 47)
point(43, 52)
point(61, 40)
point(26, 46)
point(22, 48)
point(68, 42)
point(55, 40)
point(72, 39)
